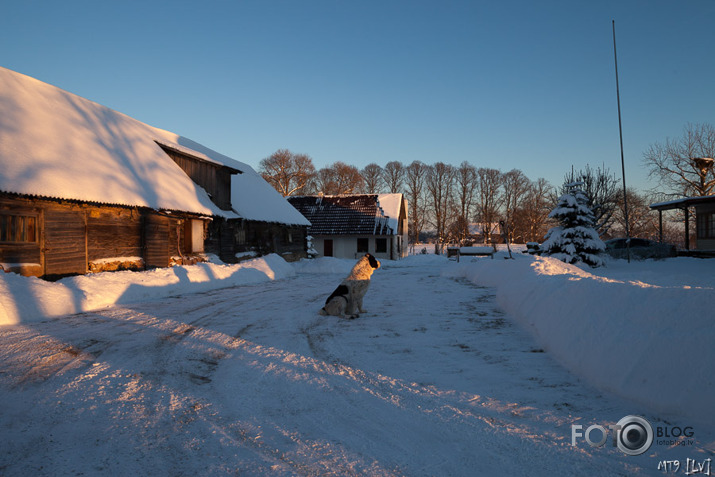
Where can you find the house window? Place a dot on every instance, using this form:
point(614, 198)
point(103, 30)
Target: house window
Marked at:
point(706, 225)
point(381, 245)
point(362, 245)
point(18, 228)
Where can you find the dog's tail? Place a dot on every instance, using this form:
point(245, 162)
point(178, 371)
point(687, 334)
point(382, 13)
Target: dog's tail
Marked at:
point(323, 312)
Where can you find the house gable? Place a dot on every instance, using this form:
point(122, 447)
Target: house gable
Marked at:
point(215, 178)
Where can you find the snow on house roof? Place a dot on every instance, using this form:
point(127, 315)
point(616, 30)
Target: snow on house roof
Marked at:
point(358, 214)
point(255, 199)
point(59, 145)
point(478, 229)
point(391, 204)
point(251, 196)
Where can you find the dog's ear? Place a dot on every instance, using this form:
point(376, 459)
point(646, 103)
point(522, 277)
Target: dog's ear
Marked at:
point(373, 261)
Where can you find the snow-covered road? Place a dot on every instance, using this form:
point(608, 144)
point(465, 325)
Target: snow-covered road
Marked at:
point(433, 380)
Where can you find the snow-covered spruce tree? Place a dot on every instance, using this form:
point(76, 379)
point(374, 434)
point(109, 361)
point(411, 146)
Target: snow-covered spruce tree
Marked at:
point(575, 240)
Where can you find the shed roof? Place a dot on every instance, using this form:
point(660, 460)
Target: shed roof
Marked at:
point(344, 214)
point(684, 202)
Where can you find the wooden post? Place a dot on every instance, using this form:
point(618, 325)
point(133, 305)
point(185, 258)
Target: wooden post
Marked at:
point(687, 229)
point(660, 225)
point(86, 244)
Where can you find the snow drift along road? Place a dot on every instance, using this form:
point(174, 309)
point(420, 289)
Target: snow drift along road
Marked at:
point(649, 342)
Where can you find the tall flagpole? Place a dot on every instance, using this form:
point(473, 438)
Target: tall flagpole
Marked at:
point(620, 132)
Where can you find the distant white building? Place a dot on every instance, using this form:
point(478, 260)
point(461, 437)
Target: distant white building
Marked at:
point(348, 226)
point(478, 232)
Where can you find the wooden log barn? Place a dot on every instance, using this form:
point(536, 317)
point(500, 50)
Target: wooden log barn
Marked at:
point(84, 188)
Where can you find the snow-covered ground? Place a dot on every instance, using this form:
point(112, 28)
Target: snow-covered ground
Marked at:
point(455, 369)
point(643, 330)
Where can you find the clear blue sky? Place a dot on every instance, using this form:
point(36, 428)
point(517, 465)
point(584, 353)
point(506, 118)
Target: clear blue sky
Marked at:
point(505, 84)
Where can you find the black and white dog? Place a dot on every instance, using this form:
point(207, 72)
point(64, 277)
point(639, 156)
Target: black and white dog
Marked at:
point(346, 300)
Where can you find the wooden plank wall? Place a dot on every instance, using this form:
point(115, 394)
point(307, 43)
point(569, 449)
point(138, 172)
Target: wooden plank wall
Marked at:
point(220, 240)
point(214, 179)
point(113, 232)
point(285, 240)
point(65, 244)
point(70, 235)
point(22, 252)
point(156, 243)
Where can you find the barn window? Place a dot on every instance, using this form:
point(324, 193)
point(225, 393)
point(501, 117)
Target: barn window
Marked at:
point(381, 245)
point(18, 228)
point(706, 225)
point(362, 245)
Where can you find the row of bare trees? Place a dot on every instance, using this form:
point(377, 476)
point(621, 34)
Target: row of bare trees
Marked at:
point(455, 202)
point(459, 202)
point(295, 174)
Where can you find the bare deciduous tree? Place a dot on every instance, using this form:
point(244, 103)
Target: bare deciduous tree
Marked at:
point(372, 178)
point(642, 220)
point(531, 219)
point(465, 187)
point(439, 182)
point(415, 175)
point(288, 173)
point(393, 175)
point(515, 186)
point(675, 164)
point(602, 189)
point(339, 178)
point(489, 185)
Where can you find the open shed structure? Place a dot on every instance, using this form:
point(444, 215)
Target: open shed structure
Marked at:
point(705, 221)
point(85, 188)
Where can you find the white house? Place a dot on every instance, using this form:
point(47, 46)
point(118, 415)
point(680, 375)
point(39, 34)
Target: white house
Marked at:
point(348, 226)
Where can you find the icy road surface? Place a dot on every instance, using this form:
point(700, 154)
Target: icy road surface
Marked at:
point(433, 380)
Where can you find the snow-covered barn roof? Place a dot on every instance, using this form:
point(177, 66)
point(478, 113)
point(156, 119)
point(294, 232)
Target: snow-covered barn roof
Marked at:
point(255, 199)
point(359, 214)
point(56, 144)
point(251, 196)
point(59, 145)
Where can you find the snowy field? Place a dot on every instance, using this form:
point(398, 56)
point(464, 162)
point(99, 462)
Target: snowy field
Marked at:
point(476, 368)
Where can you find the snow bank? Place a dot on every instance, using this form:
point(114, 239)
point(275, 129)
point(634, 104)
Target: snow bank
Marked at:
point(28, 299)
point(643, 331)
